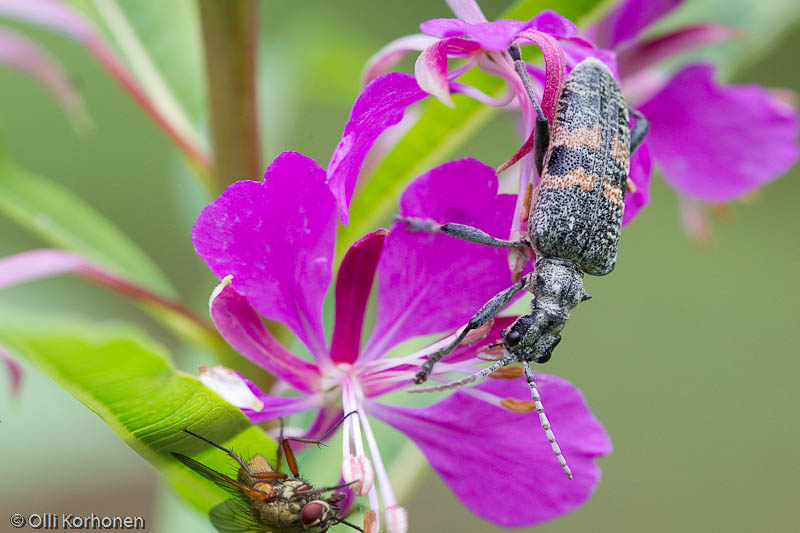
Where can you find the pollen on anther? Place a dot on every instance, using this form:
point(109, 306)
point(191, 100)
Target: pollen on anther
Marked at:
point(520, 406)
point(508, 372)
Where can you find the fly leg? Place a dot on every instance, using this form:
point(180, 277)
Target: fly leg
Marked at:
point(640, 129)
point(283, 445)
point(484, 314)
point(232, 454)
point(460, 231)
point(541, 129)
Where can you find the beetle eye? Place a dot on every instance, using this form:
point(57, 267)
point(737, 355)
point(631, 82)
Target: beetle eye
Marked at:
point(512, 339)
point(311, 512)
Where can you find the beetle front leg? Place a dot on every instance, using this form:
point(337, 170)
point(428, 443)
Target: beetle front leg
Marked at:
point(541, 129)
point(460, 231)
point(484, 314)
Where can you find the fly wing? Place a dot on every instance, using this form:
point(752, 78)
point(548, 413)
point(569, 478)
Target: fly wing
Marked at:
point(221, 480)
point(235, 516)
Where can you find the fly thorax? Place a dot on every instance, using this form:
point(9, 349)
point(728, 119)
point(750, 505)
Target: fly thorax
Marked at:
point(557, 287)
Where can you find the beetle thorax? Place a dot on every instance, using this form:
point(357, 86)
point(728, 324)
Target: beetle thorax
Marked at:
point(557, 287)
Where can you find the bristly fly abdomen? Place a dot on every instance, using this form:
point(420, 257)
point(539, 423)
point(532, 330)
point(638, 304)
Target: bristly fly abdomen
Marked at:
point(266, 500)
point(574, 221)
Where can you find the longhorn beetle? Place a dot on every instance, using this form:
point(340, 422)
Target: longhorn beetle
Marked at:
point(574, 222)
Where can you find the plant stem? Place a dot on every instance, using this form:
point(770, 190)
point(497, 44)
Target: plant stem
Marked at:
point(230, 34)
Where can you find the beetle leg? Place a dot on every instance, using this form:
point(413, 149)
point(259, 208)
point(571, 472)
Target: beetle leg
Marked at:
point(461, 231)
point(541, 130)
point(494, 367)
point(472, 234)
point(640, 129)
point(484, 314)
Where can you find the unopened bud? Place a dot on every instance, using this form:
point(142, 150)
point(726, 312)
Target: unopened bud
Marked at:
point(396, 519)
point(230, 386)
point(358, 470)
point(519, 406)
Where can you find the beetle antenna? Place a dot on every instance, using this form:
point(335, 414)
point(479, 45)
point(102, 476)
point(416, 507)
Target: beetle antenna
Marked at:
point(537, 400)
point(505, 361)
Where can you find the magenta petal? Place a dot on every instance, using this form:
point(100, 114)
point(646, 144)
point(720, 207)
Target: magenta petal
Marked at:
point(381, 104)
point(14, 370)
point(548, 21)
point(276, 239)
point(575, 53)
point(644, 54)
point(431, 283)
point(393, 52)
point(555, 68)
point(240, 325)
point(353, 285)
point(430, 70)
point(716, 142)
point(494, 36)
point(640, 175)
point(279, 406)
point(467, 10)
point(629, 19)
point(498, 462)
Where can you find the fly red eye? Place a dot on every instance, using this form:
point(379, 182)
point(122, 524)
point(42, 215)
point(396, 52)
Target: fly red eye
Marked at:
point(311, 512)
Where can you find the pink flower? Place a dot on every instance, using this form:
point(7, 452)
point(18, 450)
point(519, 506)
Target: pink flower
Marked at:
point(272, 244)
point(712, 142)
point(485, 45)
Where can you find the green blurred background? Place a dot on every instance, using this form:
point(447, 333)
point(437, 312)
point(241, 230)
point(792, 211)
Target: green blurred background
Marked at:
point(688, 356)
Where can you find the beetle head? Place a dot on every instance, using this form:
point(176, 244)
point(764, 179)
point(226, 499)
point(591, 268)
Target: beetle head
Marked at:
point(533, 337)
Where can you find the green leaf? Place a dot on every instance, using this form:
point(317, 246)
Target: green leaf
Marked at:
point(439, 132)
point(128, 381)
point(160, 42)
point(64, 220)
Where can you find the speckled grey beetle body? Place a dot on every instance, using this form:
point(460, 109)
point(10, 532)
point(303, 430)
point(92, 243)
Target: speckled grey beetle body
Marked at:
point(574, 221)
point(576, 215)
point(577, 212)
